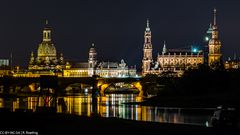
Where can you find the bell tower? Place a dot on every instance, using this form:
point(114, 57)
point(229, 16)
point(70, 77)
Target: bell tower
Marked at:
point(147, 50)
point(92, 57)
point(214, 45)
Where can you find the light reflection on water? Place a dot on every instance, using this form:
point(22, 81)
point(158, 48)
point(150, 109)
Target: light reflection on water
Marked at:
point(110, 106)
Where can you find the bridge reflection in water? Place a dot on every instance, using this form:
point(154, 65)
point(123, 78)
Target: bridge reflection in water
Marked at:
point(110, 105)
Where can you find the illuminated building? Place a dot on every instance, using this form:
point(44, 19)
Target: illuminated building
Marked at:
point(174, 60)
point(214, 45)
point(5, 68)
point(232, 64)
point(147, 51)
point(4, 62)
point(178, 60)
point(102, 69)
point(46, 61)
point(76, 69)
point(115, 69)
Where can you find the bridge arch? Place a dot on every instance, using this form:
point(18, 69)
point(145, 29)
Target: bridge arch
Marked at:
point(103, 86)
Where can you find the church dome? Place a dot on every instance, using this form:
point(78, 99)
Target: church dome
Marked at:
point(46, 49)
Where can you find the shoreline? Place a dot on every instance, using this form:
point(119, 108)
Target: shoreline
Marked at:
point(72, 124)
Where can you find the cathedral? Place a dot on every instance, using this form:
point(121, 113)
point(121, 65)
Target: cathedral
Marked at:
point(176, 61)
point(46, 59)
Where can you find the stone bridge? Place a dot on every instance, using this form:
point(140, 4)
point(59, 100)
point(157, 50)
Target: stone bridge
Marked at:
point(60, 83)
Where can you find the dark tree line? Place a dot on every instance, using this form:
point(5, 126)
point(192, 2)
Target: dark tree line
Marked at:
point(204, 80)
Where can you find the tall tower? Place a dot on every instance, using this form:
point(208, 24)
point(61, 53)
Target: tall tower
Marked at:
point(92, 59)
point(147, 50)
point(214, 45)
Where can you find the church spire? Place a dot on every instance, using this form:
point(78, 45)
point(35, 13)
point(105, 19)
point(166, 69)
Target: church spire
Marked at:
point(215, 16)
point(147, 28)
point(147, 37)
point(214, 27)
point(164, 48)
point(214, 19)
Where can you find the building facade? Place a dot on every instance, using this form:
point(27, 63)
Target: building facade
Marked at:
point(232, 64)
point(46, 62)
point(102, 69)
point(178, 60)
point(173, 60)
point(5, 68)
point(46, 58)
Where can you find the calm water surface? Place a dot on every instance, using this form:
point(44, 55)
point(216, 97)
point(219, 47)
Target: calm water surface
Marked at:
point(112, 105)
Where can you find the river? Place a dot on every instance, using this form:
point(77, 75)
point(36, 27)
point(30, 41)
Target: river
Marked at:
point(112, 105)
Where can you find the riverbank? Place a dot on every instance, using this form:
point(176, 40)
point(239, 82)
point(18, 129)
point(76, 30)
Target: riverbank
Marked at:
point(63, 124)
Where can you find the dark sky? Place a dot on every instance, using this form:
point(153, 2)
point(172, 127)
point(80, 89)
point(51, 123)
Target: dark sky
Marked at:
point(115, 26)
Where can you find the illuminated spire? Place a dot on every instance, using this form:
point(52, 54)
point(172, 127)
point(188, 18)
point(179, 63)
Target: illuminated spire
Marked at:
point(147, 23)
point(208, 33)
point(92, 44)
point(215, 17)
point(164, 48)
point(214, 45)
point(147, 28)
point(46, 22)
point(147, 50)
point(214, 27)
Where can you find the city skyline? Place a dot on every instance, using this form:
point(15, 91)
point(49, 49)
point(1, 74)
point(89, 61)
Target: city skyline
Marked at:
point(117, 29)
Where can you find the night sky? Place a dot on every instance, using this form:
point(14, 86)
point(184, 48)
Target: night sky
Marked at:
point(115, 26)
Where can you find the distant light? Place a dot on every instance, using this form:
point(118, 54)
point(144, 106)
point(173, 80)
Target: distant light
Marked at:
point(206, 124)
point(206, 38)
point(86, 90)
point(195, 50)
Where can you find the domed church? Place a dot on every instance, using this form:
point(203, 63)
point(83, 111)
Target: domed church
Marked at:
point(46, 54)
